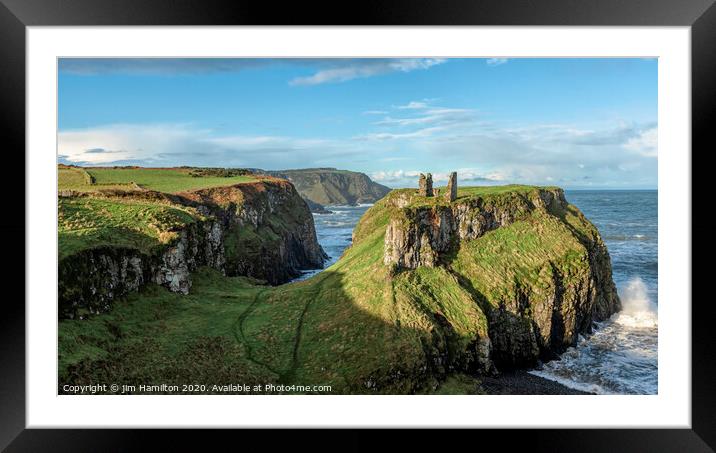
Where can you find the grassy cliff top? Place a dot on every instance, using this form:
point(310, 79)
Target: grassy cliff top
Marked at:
point(127, 207)
point(466, 193)
point(85, 222)
point(169, 180)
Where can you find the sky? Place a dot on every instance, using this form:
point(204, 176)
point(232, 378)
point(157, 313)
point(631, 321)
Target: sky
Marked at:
point(577, 123)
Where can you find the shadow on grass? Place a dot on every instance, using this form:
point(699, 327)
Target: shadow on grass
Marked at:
point(305, 333)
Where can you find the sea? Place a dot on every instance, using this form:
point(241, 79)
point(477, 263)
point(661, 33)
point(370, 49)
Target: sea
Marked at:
point(620, 356)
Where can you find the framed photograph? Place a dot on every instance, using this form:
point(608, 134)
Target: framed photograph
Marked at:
point(444, 217)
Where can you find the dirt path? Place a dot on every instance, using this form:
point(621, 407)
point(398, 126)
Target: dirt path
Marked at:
point(285, 376)
point(238, 331)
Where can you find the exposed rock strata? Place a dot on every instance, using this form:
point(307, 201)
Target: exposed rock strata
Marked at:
point(269, 231)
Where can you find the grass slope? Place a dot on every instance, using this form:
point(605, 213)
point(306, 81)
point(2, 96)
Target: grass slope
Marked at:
point(85, 222)
point(354, 326)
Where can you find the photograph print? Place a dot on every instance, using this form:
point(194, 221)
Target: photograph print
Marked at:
point(470, 226)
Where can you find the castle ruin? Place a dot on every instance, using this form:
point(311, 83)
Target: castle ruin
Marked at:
point(451, 193)
point(425, 185)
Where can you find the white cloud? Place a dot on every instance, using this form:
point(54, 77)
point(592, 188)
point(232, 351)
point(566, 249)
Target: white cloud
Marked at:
point(441, 138)
point(431, 116)
point(382, 136)
point(375, 112)
point(430, 139)
point(184, 144)
point(125, 142)
point(354, 69)
point(413, 105)
point(389, 176)
point(409, 178)
point(644, 144)
point(158, 66)
point(496, 61)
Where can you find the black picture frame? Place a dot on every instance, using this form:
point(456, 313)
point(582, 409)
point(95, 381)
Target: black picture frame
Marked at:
point(16, 15)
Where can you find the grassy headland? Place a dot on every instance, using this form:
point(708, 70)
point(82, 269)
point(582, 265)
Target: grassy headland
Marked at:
point(101, 219)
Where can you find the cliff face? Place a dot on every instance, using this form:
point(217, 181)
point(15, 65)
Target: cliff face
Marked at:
point(419, 234)
point(328, 186)
point(262, 230)
point(90, 280)
point(270, 234)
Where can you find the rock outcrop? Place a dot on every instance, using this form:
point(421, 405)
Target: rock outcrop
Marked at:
point(262, 230)
point(531, 319)
point(269, 230)
point(90, 280)
point(419, 235)
point(501, 277)
point(329, 186)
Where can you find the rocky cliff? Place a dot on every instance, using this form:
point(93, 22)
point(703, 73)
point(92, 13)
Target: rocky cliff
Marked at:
point(269, 230)
point(420, 231)
point(260, 229)
point(329, 186)
point(90, 280)
point(538, 270)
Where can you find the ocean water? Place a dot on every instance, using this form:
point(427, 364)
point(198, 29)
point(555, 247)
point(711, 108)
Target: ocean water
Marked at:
point(620, 356)
point(334, 232)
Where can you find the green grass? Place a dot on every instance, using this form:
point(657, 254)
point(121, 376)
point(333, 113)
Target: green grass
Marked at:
point(79, 180)
point(73, 178)
point(521, 254)
point(170, 180)
point(459, 384)
point(85, 222)
point(353, 326)
point(160, 337)
point(495, 190)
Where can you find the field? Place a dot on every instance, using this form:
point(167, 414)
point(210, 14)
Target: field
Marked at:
point(353, 326)
point(170, 180)
point(79, 180)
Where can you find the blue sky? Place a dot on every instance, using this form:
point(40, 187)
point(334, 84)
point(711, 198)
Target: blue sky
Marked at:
point(577, 123)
